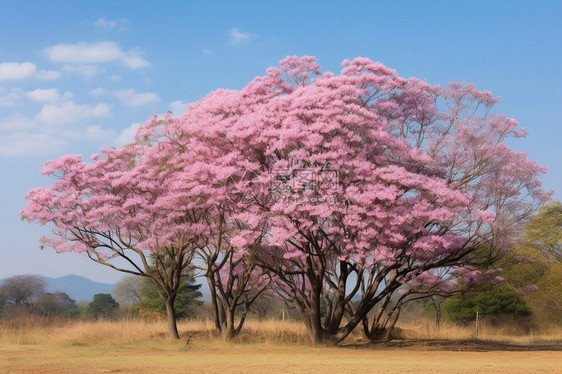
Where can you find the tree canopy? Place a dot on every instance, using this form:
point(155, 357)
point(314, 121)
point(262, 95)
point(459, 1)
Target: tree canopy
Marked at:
point(187, 299)
point(535, 266)
point(56, 304)
point(22, 289)
point(544, 231)
point(103, 305)
point(333, 187)
point(495, 300)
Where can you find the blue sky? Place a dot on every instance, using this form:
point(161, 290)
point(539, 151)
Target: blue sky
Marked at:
point(75, 76)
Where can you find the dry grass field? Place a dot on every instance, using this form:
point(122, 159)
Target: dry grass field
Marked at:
point(135, 346)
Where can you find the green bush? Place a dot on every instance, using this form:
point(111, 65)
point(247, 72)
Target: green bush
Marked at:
point(488, 301)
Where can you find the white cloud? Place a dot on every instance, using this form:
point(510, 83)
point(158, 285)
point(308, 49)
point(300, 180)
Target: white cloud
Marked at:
point(48, 75)
point(83, 52)
point(96, 132)
point(206, 52)
point(16, 122)
point(26, 143)
point(115, 77)
point(102, 23)
point(128, 96)
point(131, 98)
point(16, 70)
point(88, 133)
point(91, 53)
point(58, 124)
point(177, 107)
point(98, 91)
point(11, 98)
point(127, 135)
point(110, 136)
point(238, 36)
point(69, 112)
point(87, 71)
point(134, 61)
point(50, 95)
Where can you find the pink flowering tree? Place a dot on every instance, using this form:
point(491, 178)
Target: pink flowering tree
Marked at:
point(435, 285)
point(357, 184)
point(124, 211)
point(340, 187)
point(148, 209)
point(235, 283)
point(234, 279)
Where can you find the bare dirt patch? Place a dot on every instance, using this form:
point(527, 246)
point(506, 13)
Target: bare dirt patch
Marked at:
point(464, 346)
point(219, 357)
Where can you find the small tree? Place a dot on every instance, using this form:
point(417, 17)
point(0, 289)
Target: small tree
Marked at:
point(2, 303)
point(56, 304)
point(103, 305)
point(264, 305)
point(123, 206)
point(128, 290)
point(187, 299)
point(235, 282)
point(22, 289)
point(487, 301)
point(535, 267)
point(544, 232)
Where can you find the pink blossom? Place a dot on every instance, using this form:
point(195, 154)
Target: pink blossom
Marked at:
point(530, 289)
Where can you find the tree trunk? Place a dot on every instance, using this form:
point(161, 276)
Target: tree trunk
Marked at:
point(317, 332)
point(437, 307)
point(438, 318)
point(215, 302)
point(228, 332)
point(242, 319)
point(390, 329)
point(171, 316)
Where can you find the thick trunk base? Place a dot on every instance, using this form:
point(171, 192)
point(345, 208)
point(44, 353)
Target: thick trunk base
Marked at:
point(171, 317)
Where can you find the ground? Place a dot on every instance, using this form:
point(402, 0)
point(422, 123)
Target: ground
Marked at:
point(221, 357)
point(131, 346)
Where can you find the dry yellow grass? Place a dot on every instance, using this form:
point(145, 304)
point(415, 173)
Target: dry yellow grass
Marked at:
point(126, 331)
point(508, 334)
point(30, 330)
point(137, 346)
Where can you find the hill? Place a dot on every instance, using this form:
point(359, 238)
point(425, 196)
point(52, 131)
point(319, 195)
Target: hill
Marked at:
point(81, 288)
point(77, 287)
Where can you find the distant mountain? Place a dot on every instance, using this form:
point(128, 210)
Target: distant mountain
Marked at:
point(77, 287)
point(81, 288)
